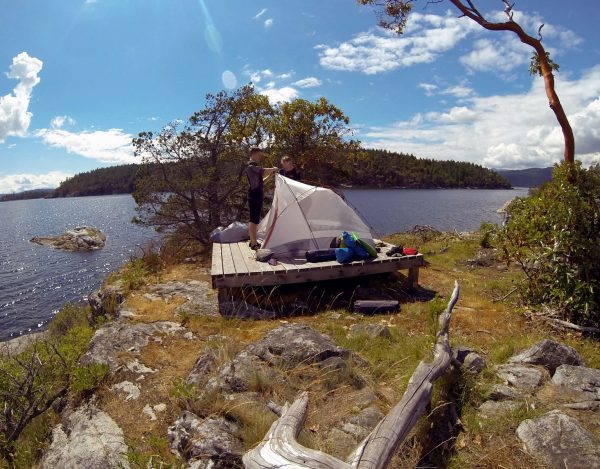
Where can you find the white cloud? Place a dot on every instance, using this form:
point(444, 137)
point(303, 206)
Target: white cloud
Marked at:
point(492, 56)
point(14, 115)
point(59, 121)
point(508, 131)
point(429, 88)
point(268, 22)
point(108, 146)
point(308, 82)
point(260, 13)
point(23, 182)
point(257, 76)
point(426, 37)
point(278, 95)
point(458, 91)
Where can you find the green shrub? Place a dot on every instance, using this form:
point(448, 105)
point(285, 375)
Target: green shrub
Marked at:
point(69, 316)
point(135, 274)
point(87, 378)
point(487, 231)
point(554, 236)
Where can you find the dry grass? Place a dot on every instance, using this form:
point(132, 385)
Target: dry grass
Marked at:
point(497, 329)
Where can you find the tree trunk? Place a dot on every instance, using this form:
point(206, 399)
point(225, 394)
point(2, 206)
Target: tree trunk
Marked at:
point(546, 70)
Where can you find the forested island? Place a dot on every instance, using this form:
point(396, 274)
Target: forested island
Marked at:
point(101, 181)
point(32, 194)
point(373, 168)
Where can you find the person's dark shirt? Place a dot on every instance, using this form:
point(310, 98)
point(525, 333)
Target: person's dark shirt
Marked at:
point(292, 174)
point(254, 172)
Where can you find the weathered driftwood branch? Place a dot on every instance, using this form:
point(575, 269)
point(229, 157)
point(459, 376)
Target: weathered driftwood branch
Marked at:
point(279, 449)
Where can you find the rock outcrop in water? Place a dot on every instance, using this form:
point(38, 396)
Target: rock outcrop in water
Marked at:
point(83, 238)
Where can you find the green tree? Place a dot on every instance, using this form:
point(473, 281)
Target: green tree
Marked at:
point(554, 236)
point(394, 16)
point(317, 135)
point(190, 181)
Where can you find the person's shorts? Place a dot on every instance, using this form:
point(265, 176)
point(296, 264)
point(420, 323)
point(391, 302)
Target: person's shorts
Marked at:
point(255, 201)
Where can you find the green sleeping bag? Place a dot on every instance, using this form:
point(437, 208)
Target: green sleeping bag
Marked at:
point(367, 246)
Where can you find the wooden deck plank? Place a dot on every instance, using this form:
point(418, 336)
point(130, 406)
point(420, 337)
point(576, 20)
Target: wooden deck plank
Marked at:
point(241, 266)
point(253, 265)
point(228, 265)
point(217, 260)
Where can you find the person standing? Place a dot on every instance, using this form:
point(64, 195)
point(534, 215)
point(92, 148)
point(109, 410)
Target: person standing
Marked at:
point(256, 176)
point(288, 168)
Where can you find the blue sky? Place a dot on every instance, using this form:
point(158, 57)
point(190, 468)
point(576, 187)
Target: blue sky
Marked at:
point(80, 78)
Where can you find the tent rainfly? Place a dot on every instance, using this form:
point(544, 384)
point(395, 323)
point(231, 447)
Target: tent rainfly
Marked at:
point(304, 217)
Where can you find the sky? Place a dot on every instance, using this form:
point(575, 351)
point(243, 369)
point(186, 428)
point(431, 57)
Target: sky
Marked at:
point(80, 78)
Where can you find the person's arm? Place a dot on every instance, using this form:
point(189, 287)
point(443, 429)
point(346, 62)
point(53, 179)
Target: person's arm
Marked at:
point(268, 173)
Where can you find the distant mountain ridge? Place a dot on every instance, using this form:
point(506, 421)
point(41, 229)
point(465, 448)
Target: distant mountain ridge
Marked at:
point(530, 177)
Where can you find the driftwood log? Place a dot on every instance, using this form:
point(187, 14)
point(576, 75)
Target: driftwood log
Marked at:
point(279, 448)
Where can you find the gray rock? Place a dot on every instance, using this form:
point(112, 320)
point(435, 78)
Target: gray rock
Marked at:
point(89, 439)
point(205, 364)
point(368, 417)
point(549, 354)
point(19, 344)
point(579, 378)
point(594, 406)
point(342, 443)
point(107, 300)
point(201, 299)
point(559, 441)
point(495, 408)
point(469, 360)
point(358, 432)
point(501, 392)
point(523, 377)
point(370, 330)
point(205, 442)
point(127, 387)
point(83, 238)
point(113, 339)
point(286, 347)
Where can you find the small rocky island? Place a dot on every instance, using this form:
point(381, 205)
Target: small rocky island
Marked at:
point(82, 238)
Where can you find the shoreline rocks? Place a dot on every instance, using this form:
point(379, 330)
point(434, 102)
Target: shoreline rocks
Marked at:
point(82, 238)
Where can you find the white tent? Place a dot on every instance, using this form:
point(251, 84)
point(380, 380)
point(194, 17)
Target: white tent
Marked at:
point(304, 217)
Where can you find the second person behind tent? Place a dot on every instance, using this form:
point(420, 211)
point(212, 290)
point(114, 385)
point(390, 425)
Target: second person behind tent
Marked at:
point(288, 168)
point(256, 176)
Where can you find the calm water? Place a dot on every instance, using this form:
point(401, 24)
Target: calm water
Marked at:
point(392, 210)
point(35, 281)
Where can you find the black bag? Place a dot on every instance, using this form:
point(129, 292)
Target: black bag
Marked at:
point(320, 255)
point(376, 306)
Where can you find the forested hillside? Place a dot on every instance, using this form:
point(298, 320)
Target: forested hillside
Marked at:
point(531, 177)
point(101, 181)
point(32, 194)
point(381, 168)
point(374, 168)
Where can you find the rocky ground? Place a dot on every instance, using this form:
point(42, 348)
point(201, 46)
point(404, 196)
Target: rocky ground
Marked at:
point(189, 388)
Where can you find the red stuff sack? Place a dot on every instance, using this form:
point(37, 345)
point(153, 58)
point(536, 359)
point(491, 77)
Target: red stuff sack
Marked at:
point(409, 251)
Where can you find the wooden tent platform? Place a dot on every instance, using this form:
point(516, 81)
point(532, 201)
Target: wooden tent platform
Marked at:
point(234, 265)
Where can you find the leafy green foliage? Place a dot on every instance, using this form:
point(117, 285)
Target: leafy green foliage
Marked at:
point(191, 180)
point(554, 236)
point(535, 66)
point(135, 274)
point(32, 381)
point(88, 378)
point(316, 134)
